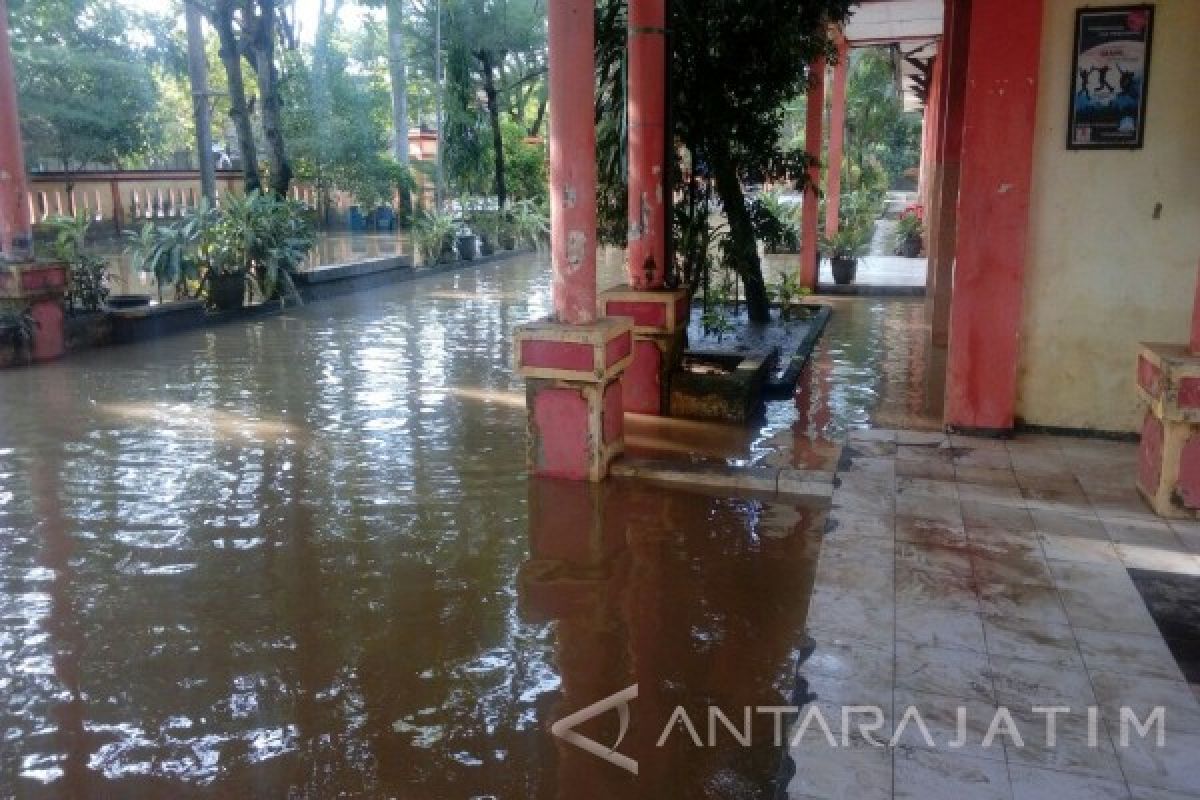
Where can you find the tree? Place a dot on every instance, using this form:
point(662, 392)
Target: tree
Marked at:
point(345, 147)
point(728, 106)
point(398, 70)
point(496, 48)
point(248, 29)
point(87, 91)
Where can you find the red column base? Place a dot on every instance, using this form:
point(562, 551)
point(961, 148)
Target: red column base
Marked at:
point(659, 317)
point(574, 395)
point(38, 288)
point(1168, 474)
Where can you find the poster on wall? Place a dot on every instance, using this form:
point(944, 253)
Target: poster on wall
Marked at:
point(1111, 72)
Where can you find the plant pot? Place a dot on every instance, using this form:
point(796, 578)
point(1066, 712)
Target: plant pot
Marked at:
point(508, 241)
point(226, 291)
point(468, 247)
point(486, 248)
point(844, 270)
point(909, 248)
point(118, 301)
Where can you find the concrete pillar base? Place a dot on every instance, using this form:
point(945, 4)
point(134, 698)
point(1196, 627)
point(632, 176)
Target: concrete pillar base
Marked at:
point(1168, 476)
point(40, 288)
point(574, 395)
point(659, 317)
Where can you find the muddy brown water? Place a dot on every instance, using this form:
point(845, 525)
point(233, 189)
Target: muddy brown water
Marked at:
point(300, 557)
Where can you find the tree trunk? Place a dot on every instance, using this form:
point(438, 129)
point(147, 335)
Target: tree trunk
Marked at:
point(263, 46)
point(398, 69)
point(486, 58)
point(222, 21)
point(536, 128)
point(198, 78)
point(743, 246)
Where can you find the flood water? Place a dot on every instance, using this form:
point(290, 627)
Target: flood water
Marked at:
point(300, 557)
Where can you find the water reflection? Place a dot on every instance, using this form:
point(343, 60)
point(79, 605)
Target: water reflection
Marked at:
point(298, 557)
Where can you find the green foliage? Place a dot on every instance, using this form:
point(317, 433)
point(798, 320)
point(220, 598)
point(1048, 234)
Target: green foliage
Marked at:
point(348, 148)
point(728, 108)
point(882, 140)
point(263, 236)
point(776, 223)
point(257, 234)
point(530, 223)
point(528, 168)
point(434, 235)
point(786, 291)
point(18, 327)
point(176, 253)
point(851, 241)
point(89, 277)
point(911, 225)
point(86, 89)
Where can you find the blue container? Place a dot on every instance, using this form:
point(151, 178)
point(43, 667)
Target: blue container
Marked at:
point(385, 219)
point(357, 221)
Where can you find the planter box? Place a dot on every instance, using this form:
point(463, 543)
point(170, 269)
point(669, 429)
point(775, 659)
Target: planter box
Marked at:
point(140, 324)
point(719, 386)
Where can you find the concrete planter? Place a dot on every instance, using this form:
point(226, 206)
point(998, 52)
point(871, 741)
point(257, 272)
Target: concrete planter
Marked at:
point(138, 324)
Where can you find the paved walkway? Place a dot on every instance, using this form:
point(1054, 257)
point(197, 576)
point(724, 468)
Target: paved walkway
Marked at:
point(975, 574)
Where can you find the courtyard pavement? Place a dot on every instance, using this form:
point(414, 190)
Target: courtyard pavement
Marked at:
point(980, 574)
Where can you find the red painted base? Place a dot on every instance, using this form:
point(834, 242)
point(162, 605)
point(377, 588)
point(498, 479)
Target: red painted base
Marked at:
point(658, 318)
point(575, 429)
point(574, 395)
point(40, 288)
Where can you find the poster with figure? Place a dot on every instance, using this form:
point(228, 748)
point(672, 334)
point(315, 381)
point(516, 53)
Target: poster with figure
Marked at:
point(1110, 77)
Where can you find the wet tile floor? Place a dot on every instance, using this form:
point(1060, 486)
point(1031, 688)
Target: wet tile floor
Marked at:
point(982, 575)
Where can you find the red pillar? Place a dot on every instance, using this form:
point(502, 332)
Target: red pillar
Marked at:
point(572, 159)
point(15, 230)
point(647, 118)
point(813, 136)
point(993, 214)
point(1195, 339)
point(943, 217)
point(931, 133)
point(573, 362)
point(837, 137)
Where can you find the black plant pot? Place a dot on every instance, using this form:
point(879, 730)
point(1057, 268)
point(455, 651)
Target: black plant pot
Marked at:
point(844, 270)
point(508, 241)
point(909, 248)
point(486, 248)
point(468, 247)
point(226, 291)
point(127, 300)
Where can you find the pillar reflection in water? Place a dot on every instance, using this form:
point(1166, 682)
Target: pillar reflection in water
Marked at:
point(699, 600)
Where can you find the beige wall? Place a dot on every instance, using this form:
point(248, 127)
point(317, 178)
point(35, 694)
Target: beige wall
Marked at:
point(1103, 274)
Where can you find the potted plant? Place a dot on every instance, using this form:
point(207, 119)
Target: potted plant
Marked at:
point(88, 277)
point(844, 249)
point(168, 253)
point(909, 238)
point(467, 244)
point(434, 235)
point(257, 237)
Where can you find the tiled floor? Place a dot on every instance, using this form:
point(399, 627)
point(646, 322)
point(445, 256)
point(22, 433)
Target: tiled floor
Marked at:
point(985, 575)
